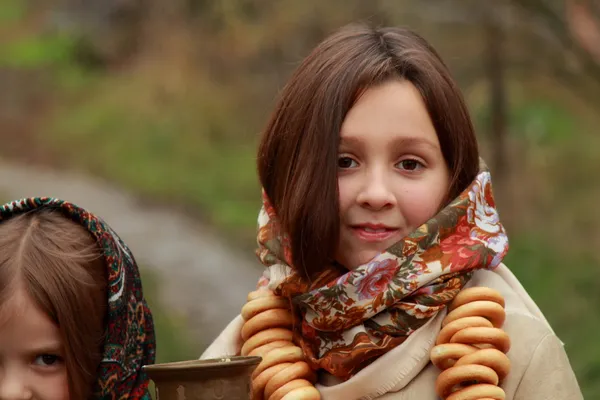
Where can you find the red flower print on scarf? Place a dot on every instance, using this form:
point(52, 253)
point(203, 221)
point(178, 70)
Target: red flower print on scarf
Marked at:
point(377, 278)
point(460, 252)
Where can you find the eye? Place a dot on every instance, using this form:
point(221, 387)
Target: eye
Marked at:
point(47, 360)
point(410, 164)
point(346, 162)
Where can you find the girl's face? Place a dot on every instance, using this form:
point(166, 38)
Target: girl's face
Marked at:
point(392, 176)
point(31, 353)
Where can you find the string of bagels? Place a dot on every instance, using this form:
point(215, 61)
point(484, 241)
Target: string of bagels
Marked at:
point(470, 350)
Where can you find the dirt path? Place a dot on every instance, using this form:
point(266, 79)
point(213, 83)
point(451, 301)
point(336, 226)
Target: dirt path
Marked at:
point(202, 278)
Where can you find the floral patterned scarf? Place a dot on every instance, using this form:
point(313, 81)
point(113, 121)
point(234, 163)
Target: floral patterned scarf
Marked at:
point(349, 318)
point(129, 342)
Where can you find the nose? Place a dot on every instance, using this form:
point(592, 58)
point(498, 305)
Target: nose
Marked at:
point(13, 385)
point(376, 192)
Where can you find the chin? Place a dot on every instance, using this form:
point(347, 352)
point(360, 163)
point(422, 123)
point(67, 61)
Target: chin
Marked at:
point(361, 259)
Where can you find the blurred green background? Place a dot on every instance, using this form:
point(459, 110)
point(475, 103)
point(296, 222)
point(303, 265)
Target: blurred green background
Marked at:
point(166, 100)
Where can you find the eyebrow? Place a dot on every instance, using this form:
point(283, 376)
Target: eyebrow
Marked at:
point(46, 347)
point(398, 142)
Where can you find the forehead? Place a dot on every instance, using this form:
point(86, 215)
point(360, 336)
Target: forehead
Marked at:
point(393, 109)
point(23, 323)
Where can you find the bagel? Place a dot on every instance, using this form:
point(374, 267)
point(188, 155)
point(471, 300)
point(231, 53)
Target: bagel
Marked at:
point(299, 370)
point(454, 376)
point(264, 337)
point(305, 393)
point(490, 310)
point(261, 304)
point(283, 372)
point(492, 358)
point(289, 387)
point(470, 348)
point(260, 293)
point(281, 355)
point(479, 293)
point(260, 382)
point(451, 328)
point(277, 318)
point(478, 392)
point(261, 351)
point(445, 355)
point(481, 336)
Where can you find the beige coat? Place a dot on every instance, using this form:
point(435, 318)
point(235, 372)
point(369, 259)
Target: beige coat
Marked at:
point(540, 368)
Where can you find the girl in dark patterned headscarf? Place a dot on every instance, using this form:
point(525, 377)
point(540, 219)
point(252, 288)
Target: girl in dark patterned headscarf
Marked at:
point(74, 323)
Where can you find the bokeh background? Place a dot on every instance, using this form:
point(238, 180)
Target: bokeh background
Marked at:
point(148, 113)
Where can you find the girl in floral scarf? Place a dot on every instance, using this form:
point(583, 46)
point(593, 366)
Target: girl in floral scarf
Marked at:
point(74, 323)
point(377, 212)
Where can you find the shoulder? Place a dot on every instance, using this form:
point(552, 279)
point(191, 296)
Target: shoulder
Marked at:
point(540, 366)
point(526, 335)
point(518, 301)
point(537, 355)
point(537, 359)
point(525, 323)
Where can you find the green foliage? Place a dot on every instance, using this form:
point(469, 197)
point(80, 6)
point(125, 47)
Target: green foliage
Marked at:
point(542, 122)
point(54, 53)
point(539, 121)
point(12, 10)
point(38, 51)
point(173, 151)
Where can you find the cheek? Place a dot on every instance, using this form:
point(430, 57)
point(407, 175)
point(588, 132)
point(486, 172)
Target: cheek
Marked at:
point(347, 193)
point(53, 387)
point(420, 204)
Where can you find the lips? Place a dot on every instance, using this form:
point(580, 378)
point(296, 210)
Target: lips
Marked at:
point(374, 232)
point(378, 230)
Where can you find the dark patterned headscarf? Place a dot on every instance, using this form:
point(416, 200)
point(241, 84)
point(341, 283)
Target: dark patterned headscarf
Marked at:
point(130, 342)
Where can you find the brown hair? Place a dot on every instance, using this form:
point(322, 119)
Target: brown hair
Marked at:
point(297, 157)
point(60, 265)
